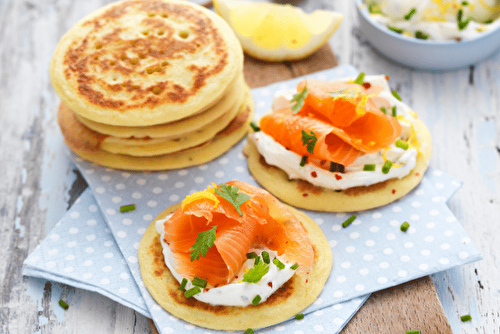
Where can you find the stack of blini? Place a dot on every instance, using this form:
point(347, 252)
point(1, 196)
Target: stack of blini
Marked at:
point(151, 85)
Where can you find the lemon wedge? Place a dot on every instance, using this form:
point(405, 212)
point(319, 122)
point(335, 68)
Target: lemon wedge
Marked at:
point(275, 32)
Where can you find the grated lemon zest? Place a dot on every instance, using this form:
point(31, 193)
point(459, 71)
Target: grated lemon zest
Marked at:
point(207, 194)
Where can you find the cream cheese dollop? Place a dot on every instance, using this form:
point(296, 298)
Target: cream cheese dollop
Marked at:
point(437, 18)
point(236, 293)
point(403, 160)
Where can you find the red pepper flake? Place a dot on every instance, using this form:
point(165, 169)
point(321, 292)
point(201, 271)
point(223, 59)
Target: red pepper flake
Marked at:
point(367, 85)
point(393, 191)
point(387, 77)
point(270, 284)
point(206, 289)
point(313, 174)
point(338, 177)
point(417, 174)
point(307, 281)
point(305, 195)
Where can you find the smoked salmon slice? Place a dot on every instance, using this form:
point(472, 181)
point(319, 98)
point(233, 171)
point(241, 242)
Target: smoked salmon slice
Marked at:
point(344, 118)
point(264, 222)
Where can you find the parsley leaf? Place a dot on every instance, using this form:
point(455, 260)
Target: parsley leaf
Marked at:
point(204, 241)
point(255, 274)
point(299, 100)
point(231, 194)
point(309, 140)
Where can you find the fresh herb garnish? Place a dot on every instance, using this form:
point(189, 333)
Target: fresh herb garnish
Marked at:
point(466, 318)
point(230, 193)
point(278, 263)
point(204, 241)
point(299, 316)
point(309, 140)
point(410, 14)
point(265, 257)
point(374, 8)
point(303, 161)
point(404, 227)
point(182, 287)
point(335, 167)
point(386, 167)
point(294, 266)
point(252, 255)
point(421, 35)
point(256, 273)
point(127, 208)
point(349, 221)
point(198, 281)
point(396, 95)
point(462, 24)
point(394, 111)
point(256, 300)
point(191, 292)
point(369, 167)
point(414, 331)
point(63, 304)
point(396, 29)
point(299, 100)
point(402, 144)
point(254, 126)
point(248, 331)
point(383, 110)
point(359, 79)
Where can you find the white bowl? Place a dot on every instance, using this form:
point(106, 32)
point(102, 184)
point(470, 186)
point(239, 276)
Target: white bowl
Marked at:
point(427, 54)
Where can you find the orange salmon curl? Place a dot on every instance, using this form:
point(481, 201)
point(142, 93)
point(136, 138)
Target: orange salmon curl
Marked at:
point(342, 115)
point(265, 222)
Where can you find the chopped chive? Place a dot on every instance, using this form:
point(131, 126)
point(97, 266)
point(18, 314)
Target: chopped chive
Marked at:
point(255, 127)
point(421, 35)
point(252, 255)
point(369, 168)
point(386, 167)
point(295, 266)
point(402, 144)
point(394, 111)
point(191, 292)
point(198, 281)
point(335, 167)
point(126, 208)
point(466, 318)
point(373, 8)
point(349, 221)
point(63, 304)
point(303, 161)
point(383, 110)
point(405, 226)
point(248, 331)
point(462, 24)
point(278, 263)
point(257, 260)
point(396, 29)
point(465, 3)
point(265, 257)
point(256, 300)
point(182, 287)
point(414, 331)
point(410, 14)
point(299, 316)
point(396, 95)
point(359, 79)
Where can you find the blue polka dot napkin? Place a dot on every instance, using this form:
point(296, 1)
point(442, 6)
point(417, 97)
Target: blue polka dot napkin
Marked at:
point(369, 255)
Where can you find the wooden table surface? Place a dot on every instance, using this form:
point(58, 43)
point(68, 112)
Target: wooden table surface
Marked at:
point(461, 109)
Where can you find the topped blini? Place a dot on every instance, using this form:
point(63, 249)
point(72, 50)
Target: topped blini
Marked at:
point(339, 146)
point(234, 257)
point(141, 63)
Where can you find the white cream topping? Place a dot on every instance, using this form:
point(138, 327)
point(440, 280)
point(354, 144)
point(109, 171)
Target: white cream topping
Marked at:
point(236, 293)
point(403, 160)
point(438, 18)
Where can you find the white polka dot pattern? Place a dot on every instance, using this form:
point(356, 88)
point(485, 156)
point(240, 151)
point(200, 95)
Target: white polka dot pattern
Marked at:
point(370, 254)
